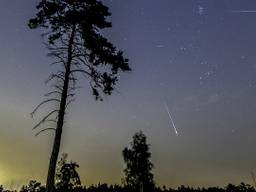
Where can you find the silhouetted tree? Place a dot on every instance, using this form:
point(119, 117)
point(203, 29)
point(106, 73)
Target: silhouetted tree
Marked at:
point(67, 177)
point(138, 165)
point(245, 187)
point(74, 39)
point(33, 186)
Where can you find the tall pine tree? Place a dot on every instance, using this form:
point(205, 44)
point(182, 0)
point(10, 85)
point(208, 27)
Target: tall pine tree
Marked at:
point(74, 40)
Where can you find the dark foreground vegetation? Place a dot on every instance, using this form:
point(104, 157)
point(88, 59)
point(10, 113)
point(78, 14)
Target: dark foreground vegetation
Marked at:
point(35, 186)
point(138, 176)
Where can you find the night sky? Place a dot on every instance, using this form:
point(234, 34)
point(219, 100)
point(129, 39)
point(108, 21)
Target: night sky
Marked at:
point(197, 57)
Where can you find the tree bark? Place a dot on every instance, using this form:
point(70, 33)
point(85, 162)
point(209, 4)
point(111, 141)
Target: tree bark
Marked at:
point(50, 183)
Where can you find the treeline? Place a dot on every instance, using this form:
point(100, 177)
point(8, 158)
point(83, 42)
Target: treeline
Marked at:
point(138, 176)
point(34, 186)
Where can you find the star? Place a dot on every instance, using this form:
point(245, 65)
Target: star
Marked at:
point(160, 46)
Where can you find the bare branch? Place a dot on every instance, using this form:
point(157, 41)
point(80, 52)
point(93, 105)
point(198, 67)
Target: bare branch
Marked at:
point(71, 95)
point(42, 103)
point(54, 76)
point(74, 88)
point(58, 62)
point(45, 118)
point(51, 93)
point(47, 129)
point(62, 58)
point(58, 87)
point(51, 120)
point(83, 61)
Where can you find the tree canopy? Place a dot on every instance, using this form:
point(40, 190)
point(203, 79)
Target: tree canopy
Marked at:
point(91, 52)
point(67, 177)
point(138, 164)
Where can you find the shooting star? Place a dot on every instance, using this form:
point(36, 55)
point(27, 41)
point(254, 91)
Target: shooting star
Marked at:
point(243, 11)
point(173, 124)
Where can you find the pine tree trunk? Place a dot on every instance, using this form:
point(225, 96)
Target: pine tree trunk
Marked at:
point(50, 183)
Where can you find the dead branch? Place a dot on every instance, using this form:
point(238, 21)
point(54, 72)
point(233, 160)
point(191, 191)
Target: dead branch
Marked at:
point(51, 93)
point(44, 119)
point(47, 129)
point(42, 103)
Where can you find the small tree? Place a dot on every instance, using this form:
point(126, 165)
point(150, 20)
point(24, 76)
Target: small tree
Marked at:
point(67, 177)
point(74, 39)
point(138, 173)
point(33, 186)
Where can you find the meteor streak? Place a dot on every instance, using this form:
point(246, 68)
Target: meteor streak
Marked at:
point(243, 11)
point(173, 124)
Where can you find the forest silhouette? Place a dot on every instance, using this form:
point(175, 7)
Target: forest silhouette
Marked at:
point(138, 176)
